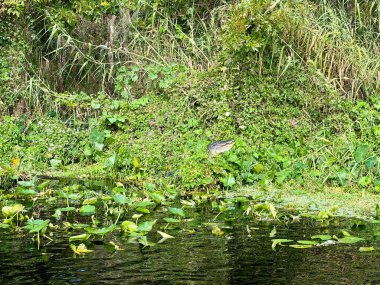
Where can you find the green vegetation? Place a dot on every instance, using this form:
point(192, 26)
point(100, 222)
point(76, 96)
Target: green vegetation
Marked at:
point(135, 91)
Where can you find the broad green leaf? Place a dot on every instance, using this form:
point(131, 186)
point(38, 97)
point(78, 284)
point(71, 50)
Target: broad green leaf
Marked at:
point(26, 192)
point(35, 226)
point(87, 210)
point(101, 231)
point(229, 180)
point(110, 161)
point(120, 199)
point(146, 226)
point(176, 211)
point(128, 226)
point(370, 162)
point(361, 153)
point(157, 197)
point(4, 226)
point(12, 210)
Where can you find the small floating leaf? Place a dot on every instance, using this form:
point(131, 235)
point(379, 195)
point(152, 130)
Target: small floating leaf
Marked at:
point(307, 242)
point(301, 246)
point(217, 231)
point(365, 249)
point(80, 249)
point(142, 210)
point(350, 239)
point(279, 241)
point(81, 237)
point(346, 233)
point(67, 209)
point(137, 216)
point(116, 247)
point(165, 235)
point(321, 237)
point(101, 231)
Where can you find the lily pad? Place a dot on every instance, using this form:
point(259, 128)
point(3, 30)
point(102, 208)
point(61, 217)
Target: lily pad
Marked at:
point(366, 249)
point(301, 246)
point(350, 239)
point(307, 242)
point(279, 241)
point(322, 237)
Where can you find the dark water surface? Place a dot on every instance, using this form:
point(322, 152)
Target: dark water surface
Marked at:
point(199, 258)
point(242, 256)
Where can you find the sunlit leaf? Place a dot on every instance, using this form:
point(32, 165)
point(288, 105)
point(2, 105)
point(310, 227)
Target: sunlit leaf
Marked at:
point(87, 210)
point(322, 237)
point(35, 226)
point(228, 181)
point(81, 237)
point(165, 235)
point(307, 242)
point(300, 246)
point(366, 249)
point(350, 239)
point(80, 249)
point(276, 242)
point(142, 210)
point(146, 226)
point(171, 220)
point(101, 231)
point(128, 226)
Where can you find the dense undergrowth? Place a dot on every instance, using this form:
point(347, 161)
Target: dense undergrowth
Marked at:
point(295, 83)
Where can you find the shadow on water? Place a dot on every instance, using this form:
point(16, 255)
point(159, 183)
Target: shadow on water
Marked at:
point(244, 255)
